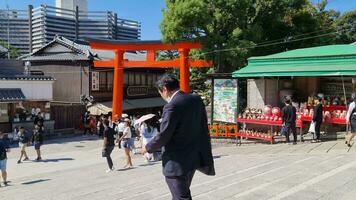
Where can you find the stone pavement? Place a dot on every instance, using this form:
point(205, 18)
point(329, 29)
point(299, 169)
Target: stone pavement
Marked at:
point(74, 169)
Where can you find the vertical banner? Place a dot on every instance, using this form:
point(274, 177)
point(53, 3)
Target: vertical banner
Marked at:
point(225, 100)
point(95, 81)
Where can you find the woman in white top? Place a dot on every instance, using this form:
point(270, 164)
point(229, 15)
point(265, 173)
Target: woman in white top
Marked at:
point(126, 143)
point(148, 131)
point(351, 120)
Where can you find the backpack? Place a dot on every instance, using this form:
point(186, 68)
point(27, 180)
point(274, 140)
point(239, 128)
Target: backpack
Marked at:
point(353, 115)
point(2, 150)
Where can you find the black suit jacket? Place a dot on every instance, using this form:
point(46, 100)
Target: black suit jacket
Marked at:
point(184, 136)
point(318, 113)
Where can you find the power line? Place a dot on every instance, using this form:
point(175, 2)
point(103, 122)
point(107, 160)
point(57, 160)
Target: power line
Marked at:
point(268, 44)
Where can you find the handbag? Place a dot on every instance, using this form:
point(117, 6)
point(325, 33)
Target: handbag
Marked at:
point(103, 153)
point(283, 130)
point(312, 128)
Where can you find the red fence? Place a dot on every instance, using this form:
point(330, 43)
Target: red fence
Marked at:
point(223, 130)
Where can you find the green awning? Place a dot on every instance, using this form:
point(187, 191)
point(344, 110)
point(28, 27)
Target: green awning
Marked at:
point(331, 60)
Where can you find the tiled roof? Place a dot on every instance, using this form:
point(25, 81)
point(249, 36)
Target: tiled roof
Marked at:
point(27, 78)
point(10, 73)
point(11, 94)
point(76, 51)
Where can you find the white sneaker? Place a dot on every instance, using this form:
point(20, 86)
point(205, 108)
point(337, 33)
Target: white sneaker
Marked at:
point(110, 170)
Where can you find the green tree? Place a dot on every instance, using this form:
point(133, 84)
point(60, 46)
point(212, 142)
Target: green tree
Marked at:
point(346, 25)
point(231, 29)
point(14, 53)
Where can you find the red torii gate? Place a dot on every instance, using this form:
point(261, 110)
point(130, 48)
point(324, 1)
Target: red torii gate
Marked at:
point(119, 63)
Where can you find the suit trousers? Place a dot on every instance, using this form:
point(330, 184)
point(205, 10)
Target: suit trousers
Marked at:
point(317, 129)
point(291, 128)
point(180, 186)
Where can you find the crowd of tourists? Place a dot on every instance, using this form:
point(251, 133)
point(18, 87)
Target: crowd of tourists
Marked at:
point(25, 138)
point(122, 132)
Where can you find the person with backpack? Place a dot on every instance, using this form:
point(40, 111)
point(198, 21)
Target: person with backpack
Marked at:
point(37, 140)
point(4, 149)
point(24, 140)
point(351, 120)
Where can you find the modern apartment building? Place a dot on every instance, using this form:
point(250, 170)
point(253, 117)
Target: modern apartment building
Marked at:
point(29, 30)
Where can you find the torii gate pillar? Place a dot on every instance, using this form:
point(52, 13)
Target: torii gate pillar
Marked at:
point(184, 70)
point(118, 83)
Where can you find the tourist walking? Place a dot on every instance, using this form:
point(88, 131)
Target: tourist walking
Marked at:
point(100, 126)
point(24, 140)
point(37, 140)
point(184, 136)
point(351, 120)
point(318, 118)
point(38, 119)
point(86, 122)
point(4, 149)
point(108, 144)
point(147, 132)
point(126, 142)
point(119, 129)
point(289, 120)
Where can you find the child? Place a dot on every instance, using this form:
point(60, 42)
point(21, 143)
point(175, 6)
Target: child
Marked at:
point(37, 140)
point(24, 139)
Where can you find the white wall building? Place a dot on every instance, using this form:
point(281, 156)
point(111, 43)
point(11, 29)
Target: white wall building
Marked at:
point(34, 90)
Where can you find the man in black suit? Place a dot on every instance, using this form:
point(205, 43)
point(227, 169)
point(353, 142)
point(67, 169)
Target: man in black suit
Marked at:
point(183, 136)
point(318, 118)
point(289, 120)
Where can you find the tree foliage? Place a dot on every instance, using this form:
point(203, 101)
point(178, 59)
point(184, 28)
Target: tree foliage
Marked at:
point(14, 53)
point(346, 25)
point(232, 30)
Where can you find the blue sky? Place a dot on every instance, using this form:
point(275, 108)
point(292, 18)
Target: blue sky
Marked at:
point(148, 12)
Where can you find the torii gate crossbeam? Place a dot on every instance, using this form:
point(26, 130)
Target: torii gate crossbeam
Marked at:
point(119, 64)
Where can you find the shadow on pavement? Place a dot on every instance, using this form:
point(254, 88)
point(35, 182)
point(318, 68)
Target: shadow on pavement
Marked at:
point(150, 163)
point(126, 169)
point(56, 160)
point(218, 156)
point(35, 181)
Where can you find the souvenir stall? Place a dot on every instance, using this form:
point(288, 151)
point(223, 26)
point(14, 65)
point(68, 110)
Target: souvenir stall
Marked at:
point(303, 74)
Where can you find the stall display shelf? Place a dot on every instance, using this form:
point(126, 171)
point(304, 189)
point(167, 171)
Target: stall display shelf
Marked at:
point(243, 134)
point(336, 121)
point(266, 122)
point(329, 121)
point(331, 108)
point(262, 122)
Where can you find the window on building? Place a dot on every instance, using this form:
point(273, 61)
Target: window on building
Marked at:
point(150, 80)
point(131, 78)
point(126, 78)
point(137, 79)
point(110, 80)
point(143, 79)
point(102, 81)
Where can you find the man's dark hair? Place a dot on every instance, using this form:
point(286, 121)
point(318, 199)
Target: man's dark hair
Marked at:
point(106, 122)
point(169, 81)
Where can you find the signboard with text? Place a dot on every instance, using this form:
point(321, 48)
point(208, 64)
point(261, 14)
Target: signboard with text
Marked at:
point(225, 100)
point(95, 81)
